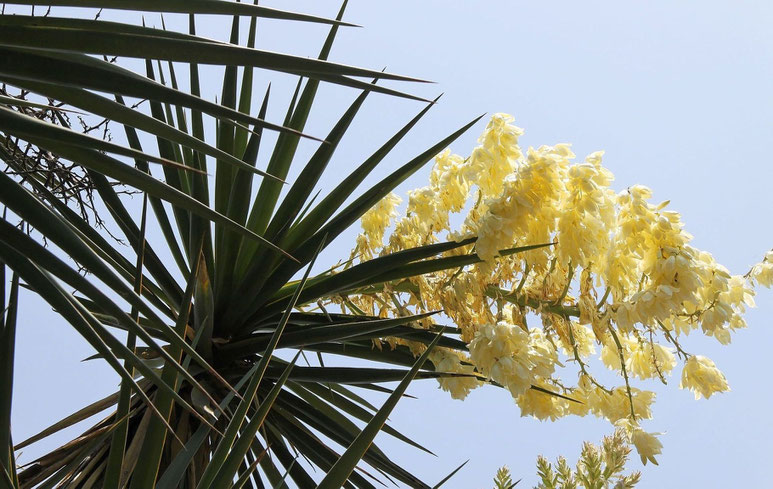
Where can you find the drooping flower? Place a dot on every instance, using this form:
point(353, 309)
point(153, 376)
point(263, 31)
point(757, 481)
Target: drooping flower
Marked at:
point(542, 405)
point(762, 272)
point(447, 360)
point(647, 444)
point(701, 376)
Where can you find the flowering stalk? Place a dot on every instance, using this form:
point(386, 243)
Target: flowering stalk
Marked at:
point(656, 287)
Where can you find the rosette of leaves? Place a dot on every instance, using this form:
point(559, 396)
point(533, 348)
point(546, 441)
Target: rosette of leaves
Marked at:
point(202, 342)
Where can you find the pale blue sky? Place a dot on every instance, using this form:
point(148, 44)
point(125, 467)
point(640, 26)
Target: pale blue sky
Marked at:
point(676, 93)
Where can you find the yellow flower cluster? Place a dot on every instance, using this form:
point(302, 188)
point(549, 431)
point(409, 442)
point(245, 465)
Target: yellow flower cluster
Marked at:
point(643, 359)
point(511, 356)
point(374, 224)
point(616, 271)
point(646, 444)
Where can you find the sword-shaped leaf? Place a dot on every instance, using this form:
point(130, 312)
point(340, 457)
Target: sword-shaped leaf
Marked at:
point(453, 472)
point(153, 444)
point(187, 7)
point(227, 469)
point(341, 471)
point(175, 471)
point(318, 334)
point(17, 241)
point(117, 454)
point(352, 375)
point(333, 404)
point(157, 297)
point(238, 208)
point(292, 407)
point(76, 417)
point(85, 324)
point(437, 264)
point(367, 270)
point(150, 44)
point(17, 102)
point(7, 351)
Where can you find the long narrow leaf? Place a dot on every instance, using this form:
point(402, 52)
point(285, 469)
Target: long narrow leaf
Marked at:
point(175, 471)
point(292, 204)
point(76, 417)
point(7, 352)
point(186, 7)
point(318, 334)
point(343, 468)
point(56, 297)
point(446, 478)
point(224, 175)
point(24, 127)
point(115, 458)
point(238, 208)
point(116, 43)
point(366, 271)
point(18, 240)
point(343, 403)
point(309, 177)
point(92, 330)
point(437, 264)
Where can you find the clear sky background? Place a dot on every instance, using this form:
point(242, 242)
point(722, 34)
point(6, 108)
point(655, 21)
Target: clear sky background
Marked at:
point(676, 93)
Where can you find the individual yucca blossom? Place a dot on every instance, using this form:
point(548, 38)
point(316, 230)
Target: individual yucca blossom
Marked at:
point(702, 376)
point(762, 273)
point(448, 360)
point(612, 405)
point(646, 444)
point(535, 403)
point(545, 239)
point(581, 339)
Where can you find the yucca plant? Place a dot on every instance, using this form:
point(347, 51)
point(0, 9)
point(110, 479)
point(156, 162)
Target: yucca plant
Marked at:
point(205, 398)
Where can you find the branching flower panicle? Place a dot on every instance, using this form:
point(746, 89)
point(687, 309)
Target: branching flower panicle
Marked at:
point(616, 275)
